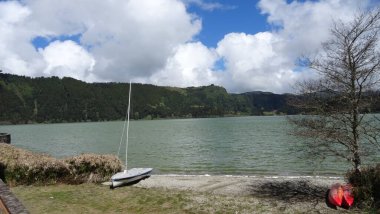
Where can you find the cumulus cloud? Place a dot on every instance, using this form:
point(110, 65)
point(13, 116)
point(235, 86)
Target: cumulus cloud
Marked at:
point(127, 39)
point(17, 54)
point(305, 25)
point(264, 61)
point(67, 59)
point(252, 60)
point(191, 65)
point(267, 60)
point(152, 42)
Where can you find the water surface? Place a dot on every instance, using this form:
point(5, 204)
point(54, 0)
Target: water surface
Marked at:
point(229, 146)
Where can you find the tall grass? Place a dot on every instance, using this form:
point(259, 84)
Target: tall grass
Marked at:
point(18, 166)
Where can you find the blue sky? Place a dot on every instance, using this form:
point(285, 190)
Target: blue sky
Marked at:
point(242, 45)
point(235, 16)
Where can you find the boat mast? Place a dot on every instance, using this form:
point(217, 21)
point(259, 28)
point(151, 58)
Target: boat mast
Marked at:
point(129, 109)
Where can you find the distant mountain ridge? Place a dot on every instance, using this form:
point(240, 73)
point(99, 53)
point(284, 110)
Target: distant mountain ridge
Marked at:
point(52, 99)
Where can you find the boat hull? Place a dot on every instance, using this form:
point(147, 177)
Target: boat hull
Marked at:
point(130, 177)
point(348, 196)
point(335, 196)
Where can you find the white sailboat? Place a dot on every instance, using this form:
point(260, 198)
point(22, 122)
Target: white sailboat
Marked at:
point(134, 175)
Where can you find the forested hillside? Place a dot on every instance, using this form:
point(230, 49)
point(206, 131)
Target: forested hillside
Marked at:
point(29, 100)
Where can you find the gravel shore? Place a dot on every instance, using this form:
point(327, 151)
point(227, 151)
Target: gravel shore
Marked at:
point(236, 185)
point(287, 194)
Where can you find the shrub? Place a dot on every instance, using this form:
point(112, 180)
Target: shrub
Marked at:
point(366, 186)
point(23, 167)
point(92, 167)
point(18, 166)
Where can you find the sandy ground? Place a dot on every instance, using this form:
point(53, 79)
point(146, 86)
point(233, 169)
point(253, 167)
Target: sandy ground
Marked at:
point(285, 194)
point(237, 185)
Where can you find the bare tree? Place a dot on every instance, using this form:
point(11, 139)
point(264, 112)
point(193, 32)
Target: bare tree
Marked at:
point(339, 101)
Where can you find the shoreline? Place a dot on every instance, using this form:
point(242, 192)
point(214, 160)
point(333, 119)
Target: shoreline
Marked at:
point(269, 176)
point(9, 123)
point(239, 185)
point(185, 194)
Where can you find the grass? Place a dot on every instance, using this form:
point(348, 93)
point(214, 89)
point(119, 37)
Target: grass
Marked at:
point(95, 198)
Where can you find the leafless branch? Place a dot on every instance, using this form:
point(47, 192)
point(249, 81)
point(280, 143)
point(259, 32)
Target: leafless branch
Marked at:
point(339, 101)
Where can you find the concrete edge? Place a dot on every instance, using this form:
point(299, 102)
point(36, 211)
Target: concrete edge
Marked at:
point(10, 201)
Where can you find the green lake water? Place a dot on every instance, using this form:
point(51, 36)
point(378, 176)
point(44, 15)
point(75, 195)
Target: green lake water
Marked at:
point(225, 146)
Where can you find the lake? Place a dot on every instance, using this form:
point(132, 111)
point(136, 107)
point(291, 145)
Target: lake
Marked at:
point(227, 146)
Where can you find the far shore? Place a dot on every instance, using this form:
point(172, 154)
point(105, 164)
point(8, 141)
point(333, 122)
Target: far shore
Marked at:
point(266, 114)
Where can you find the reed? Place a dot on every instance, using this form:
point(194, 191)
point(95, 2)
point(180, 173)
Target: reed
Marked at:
point(22, 167)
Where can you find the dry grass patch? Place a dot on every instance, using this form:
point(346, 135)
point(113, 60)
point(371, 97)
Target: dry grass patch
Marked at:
point(21, 167)
point(24, 167)
point(93, 198)
point(93, 168)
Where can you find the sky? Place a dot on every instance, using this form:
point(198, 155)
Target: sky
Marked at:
point(242, 45)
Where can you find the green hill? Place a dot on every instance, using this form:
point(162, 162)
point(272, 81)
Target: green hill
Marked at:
point(29, 100)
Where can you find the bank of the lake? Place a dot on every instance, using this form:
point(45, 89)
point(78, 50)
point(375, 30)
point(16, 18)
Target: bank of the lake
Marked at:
point(47, 189)
point(185, 194)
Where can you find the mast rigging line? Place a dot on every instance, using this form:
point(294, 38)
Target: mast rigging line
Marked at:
point(126, 124)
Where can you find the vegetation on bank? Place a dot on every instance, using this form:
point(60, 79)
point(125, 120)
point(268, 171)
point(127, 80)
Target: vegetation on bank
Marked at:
point(366, 187)
point(41, 100)
point(92, 198)
point(21, 167)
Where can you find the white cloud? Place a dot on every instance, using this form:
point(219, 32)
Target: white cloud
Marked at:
point(266, 60)
point(305, 25)
point(152, 42)
point(252, 63)
point(17, 54)
point(191, 65)
point(12, 12)
point(127, 39)
point(263, 61)
point(67, 59)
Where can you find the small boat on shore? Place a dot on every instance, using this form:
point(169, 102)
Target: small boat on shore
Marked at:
point(130, 176)
point(341, 195)
point(336, 195)
point(348, 196)
point(134, 175)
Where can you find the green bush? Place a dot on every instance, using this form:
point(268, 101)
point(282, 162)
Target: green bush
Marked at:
point(366, 187)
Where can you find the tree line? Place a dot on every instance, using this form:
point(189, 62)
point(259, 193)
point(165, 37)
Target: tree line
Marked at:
point(53, 100)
